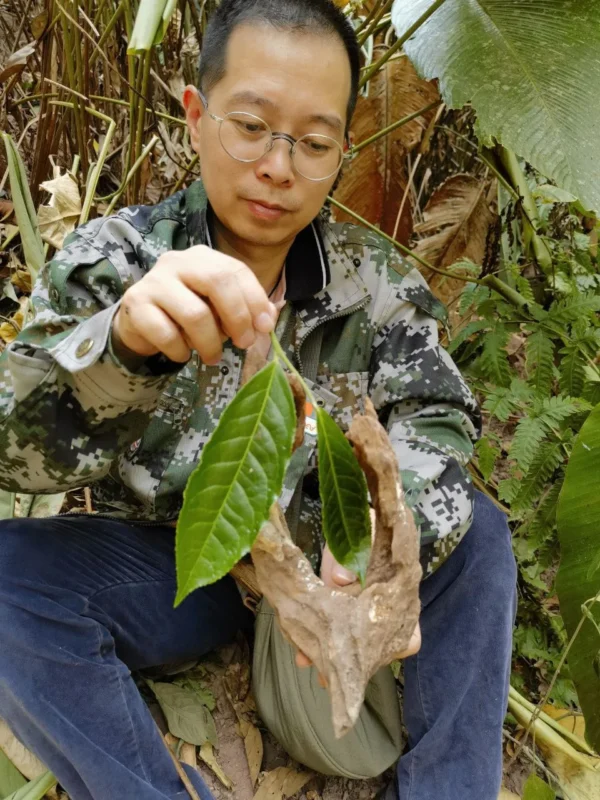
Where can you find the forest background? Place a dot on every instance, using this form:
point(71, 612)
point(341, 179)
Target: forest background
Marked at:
point(476, 152)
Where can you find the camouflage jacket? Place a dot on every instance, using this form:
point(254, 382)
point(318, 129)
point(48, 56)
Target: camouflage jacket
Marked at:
point(72, 413)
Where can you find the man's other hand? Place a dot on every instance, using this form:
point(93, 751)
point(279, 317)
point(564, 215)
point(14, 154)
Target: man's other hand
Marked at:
point(193, 299)
point(337, 577)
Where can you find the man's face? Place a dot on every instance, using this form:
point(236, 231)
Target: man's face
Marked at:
point(298, 83)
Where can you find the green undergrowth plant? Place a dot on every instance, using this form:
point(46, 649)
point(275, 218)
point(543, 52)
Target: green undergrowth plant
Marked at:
point(534, 367)
point(241, 474)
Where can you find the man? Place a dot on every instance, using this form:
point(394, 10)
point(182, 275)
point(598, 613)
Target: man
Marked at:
point(137, 346)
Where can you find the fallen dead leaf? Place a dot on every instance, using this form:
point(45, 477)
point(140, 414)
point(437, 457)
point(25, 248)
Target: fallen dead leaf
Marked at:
point(38, 24)
point(375, 182)
point(578, 782)
point(281, 783)
point(574, 723)
point(28, 764)
point(506, 795)
point(6, 209)
point(17, 62)
point(61, 215)
point(455, 226)
point(207, 754)
point(253, 744)
point(10, 330)
point(187, 751)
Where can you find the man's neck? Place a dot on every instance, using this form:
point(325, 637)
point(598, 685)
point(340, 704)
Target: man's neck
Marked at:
point(265, 262)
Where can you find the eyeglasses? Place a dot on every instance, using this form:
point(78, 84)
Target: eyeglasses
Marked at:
point(247, 138)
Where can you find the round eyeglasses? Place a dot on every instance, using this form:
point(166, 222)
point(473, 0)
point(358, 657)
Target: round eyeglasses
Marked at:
point(247, 138)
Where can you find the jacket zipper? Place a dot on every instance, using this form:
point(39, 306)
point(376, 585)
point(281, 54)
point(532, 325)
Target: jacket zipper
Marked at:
point(345, 313)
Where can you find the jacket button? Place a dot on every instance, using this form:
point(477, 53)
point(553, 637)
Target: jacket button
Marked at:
point(320, 402)
point(84, 348)
point(224, 370)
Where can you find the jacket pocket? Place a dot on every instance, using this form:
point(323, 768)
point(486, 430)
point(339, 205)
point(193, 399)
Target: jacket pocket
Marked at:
point(350, 388)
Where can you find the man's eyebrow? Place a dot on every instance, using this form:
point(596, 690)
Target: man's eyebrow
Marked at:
point(251, 98)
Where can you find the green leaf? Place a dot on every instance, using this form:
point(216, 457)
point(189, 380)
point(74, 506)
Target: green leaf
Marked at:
point(544, 463)
point(187, 716)
point(151, 24)
point(579, 535)
point(239, 477)
point(465, 333)
point(27, 220)
point(346, 521)
point(572, 309)
point(540, 361)
point(537, 789)
point(572, 370)
point(10, 777)
point(529, 73)
point(494, 358)
point(529, 434)
point(487, 456)
point(35, 789)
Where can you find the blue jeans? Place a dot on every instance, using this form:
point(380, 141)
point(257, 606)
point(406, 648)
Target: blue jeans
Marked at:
point(84, 600)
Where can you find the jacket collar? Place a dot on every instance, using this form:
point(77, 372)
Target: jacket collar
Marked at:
point(307, 268)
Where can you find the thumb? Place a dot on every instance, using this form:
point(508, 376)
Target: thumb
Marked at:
point(342, 576)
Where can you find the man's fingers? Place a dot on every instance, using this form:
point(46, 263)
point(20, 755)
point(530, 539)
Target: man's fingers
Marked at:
point(239, 300)
point(157, 327)
point(304, 661)
point(196, 320)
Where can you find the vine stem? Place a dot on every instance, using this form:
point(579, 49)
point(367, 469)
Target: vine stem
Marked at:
point(535, 714)
point(279, 352)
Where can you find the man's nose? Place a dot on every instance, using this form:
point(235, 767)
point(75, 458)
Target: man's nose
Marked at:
point(276, 163)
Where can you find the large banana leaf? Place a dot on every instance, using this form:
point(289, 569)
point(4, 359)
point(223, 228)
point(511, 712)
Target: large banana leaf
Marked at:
point(530, 68)
point(578, 578)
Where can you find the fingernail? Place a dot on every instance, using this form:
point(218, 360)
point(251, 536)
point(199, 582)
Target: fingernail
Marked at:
point(246, 340)
point(264, 323)
point(343, 576)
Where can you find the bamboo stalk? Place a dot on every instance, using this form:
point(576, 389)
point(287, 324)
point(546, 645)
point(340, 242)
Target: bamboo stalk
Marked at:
point(370, 30)
point(132, 172)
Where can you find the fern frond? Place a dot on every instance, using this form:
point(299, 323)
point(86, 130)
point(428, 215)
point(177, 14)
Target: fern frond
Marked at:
point(572, 370)
point(487, 455)
point(493, 361)
point(554, 410)
point(545, 462)
point(539, 351)
point(571, 309)
point(543, 523)
point(500, 403)
point(464, 333)
point(529, 435)
point(472, 296)
point(507, 489)
point(524, 288)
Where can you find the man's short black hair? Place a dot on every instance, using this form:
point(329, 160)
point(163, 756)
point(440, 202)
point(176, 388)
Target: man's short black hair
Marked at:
point(321, 16)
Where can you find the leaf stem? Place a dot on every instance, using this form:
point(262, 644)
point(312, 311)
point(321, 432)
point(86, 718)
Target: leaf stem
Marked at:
point(280, 353)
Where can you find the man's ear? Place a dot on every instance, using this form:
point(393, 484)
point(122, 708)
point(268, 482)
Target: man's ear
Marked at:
point(193, 114)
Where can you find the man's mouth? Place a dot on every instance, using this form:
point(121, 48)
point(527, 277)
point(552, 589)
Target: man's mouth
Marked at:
point(265, 210)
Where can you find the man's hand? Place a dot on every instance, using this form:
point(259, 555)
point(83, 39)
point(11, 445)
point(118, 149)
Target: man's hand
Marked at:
point(336, 576)
point(193, 300)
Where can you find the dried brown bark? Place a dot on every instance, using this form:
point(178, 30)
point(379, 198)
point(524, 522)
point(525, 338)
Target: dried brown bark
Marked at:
point(349, 635)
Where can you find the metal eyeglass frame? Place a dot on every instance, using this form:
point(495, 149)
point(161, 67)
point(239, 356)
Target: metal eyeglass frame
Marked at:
point(274, 135)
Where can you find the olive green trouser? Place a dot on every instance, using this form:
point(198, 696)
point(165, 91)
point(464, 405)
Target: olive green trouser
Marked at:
point(297, 711)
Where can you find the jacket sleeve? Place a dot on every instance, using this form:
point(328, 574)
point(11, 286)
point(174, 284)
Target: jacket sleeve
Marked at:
point(431, 416)
point(68, 405)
